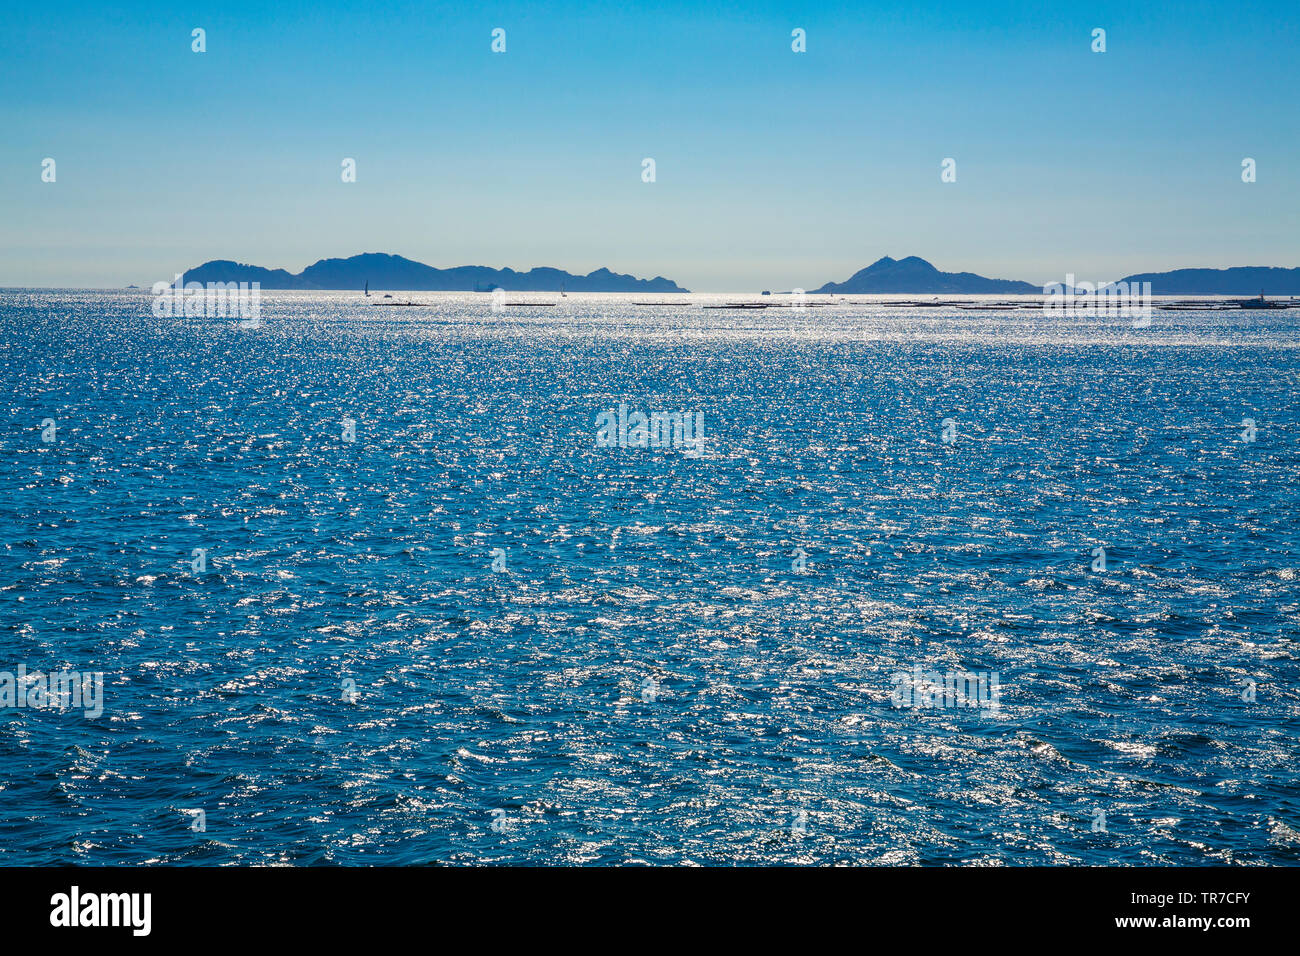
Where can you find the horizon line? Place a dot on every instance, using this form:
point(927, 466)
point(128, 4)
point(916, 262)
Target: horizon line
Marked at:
point(633, 274)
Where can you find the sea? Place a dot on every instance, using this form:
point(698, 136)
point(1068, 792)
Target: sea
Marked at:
point(450, 583)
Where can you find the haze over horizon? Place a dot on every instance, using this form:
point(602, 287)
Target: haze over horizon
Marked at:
point(774, 169)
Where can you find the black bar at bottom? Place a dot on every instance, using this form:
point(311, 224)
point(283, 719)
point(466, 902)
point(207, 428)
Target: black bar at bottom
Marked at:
point(331, 906)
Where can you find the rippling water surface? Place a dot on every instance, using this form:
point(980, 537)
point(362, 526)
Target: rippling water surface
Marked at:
point(650, 678)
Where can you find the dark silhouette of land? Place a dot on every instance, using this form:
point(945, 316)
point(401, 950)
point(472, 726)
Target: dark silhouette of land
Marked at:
point(383, 271)
point(909, 276)
point(915, 275)
point(1241, 280)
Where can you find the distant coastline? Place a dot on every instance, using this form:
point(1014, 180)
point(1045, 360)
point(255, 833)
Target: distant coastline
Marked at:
point(886, 276)
point(381, 271)
point(915, 276)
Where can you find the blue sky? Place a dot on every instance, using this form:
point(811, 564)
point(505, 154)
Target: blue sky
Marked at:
point(774, 169)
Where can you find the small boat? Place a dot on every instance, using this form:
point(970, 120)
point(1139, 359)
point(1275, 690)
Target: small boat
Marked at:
point(367, 288)
point(1260, 303)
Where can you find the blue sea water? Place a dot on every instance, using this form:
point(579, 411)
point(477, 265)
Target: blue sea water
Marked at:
point(651, 678)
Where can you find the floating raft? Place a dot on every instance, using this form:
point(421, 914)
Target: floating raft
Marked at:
point(434, 305)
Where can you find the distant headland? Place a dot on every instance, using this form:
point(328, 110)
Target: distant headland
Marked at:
point(909, 276)
point(382, 271)
point(914, 275)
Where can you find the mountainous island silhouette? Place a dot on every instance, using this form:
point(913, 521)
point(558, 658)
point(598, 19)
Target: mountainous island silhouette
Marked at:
point(912, 275)
point(915, 275)
point(383, 271)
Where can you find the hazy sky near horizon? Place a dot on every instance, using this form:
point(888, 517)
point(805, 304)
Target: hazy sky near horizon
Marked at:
point(774, 169)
